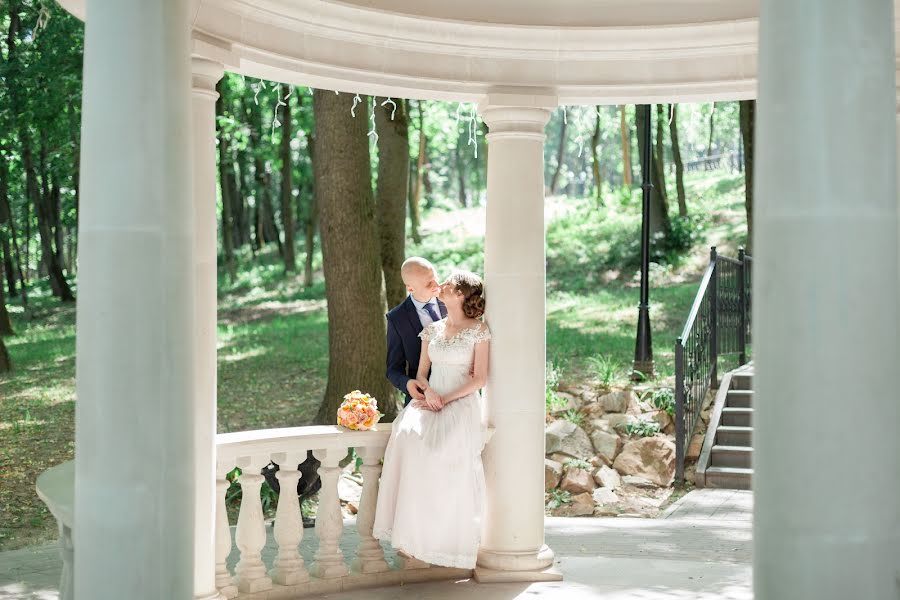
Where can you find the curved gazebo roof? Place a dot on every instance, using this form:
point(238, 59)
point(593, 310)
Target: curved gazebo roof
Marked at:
point(580, 51)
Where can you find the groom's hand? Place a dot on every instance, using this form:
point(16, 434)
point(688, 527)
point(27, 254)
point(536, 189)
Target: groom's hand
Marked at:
point(412, 386)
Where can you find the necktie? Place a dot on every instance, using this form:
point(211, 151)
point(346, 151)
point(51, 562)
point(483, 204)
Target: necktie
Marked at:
point(429, 308)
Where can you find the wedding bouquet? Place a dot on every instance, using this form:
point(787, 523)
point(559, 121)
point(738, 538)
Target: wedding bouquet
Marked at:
point(358, 411)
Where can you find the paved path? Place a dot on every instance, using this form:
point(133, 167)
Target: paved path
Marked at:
point(699, 549)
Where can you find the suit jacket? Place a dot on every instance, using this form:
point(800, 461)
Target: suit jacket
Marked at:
point(403, 343)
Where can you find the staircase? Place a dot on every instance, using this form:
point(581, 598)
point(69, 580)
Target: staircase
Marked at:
point(727, 455)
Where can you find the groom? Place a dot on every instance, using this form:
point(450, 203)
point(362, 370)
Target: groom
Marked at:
point(406, 320)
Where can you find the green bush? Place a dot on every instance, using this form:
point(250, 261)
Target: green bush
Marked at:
point(664, 399)
point(577, 463)
point(573, 416)
point(642, 428)
point(552, 401)
point(558, 497)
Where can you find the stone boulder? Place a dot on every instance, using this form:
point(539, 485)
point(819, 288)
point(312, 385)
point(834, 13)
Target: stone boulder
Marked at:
point(638, 482)
point(552, 474)
point(617, 402)
point(577, 481)
point(566, 437)
point(617, 422)
point(604, 497)
point(607, 445)
point(568, 402)
point(652, 458)
point(608, 478)
point(663, 418)
point(581, 505)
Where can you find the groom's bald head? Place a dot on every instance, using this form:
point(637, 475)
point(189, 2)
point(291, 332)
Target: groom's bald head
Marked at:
point(420, 278)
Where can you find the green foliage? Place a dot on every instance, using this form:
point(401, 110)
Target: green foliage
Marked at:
point(552, 400)
point(606, 369)
point(573, 416)
point(642, 428)
point(664, 399)
point(577, 463)
point(557, 498)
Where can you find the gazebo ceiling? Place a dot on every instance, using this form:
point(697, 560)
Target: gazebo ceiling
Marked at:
point(571, 51)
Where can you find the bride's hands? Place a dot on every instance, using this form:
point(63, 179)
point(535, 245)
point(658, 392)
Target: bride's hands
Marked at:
point(433, 400)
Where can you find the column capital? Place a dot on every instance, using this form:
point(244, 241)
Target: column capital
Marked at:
point(205, 74)
point(517, 112)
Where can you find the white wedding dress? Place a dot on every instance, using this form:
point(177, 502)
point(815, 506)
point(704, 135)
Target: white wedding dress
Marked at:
point(432, 485)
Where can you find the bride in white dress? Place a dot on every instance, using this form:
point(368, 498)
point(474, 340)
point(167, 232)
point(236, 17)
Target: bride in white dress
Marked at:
point(432, 485)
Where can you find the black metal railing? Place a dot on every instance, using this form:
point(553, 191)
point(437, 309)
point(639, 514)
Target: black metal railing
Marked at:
point(718, 325)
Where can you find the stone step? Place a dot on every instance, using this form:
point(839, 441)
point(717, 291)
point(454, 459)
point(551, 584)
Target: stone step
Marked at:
point(742, 417)
point(731, 456)
point(739, 398)
point(742, 381)
point(731, 435)
point(729, 477)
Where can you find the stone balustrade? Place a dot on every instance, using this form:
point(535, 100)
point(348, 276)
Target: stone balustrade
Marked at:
point(330, 570)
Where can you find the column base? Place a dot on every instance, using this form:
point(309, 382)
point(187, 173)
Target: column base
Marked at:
point(483, 575)
point(217, 595)
point(495, 566)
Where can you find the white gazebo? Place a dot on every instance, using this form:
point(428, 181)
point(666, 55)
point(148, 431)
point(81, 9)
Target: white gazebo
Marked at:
point(149, 478)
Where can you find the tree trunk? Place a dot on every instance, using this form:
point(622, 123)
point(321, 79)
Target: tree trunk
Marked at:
point(712, 129)
point(748, 125)
point(224, 187)
point(311, 219)
point(679, 165)
point(287, 190)
point(560, 156)
point(350, 256)
point(74, 135)
point(660, 156)
point(595, 158)
point(627, 165)
point(415, 201)
point(659, 216)
point(5, 363)
point(42, 200)
point(6, 219)
point(460, 172)
point(393, 158)
point(5, 324)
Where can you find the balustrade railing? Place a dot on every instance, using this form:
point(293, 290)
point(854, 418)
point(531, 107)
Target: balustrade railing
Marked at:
point(330, 570)
point(718, 325)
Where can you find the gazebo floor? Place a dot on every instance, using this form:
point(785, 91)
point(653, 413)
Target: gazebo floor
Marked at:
point(699, 549)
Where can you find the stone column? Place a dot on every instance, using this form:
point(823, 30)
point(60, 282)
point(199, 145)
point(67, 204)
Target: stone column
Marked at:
point(513, 546)
point(826, 311)
point(134, 474)
point(205, 75)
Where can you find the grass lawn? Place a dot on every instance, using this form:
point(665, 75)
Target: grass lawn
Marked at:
point(273, 332)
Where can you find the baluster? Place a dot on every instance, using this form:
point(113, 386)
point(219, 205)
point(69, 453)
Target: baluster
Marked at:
point(250, 573)
point(329, 561)
point(369, 554)
point(288, 567)
point(224, 582)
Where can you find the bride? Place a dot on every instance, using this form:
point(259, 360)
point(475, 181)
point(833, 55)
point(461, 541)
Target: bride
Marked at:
point(432, 485)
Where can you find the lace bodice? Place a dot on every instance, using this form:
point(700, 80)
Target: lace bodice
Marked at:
point(452, 358)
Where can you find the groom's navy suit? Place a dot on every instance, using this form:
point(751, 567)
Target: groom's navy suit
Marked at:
point(403, 343)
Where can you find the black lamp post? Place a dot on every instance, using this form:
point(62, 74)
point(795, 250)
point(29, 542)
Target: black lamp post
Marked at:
point(643, 348)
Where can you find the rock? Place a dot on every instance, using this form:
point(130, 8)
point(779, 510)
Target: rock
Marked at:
point(580, 506)
point(694, 448)
point(640, 482)
point(568, 402)
point(652, 458)
point(617, 422)
point(607, 445)
point(663, 418)
point(353, 507)
point(552, 474)
point(604, 496)
point(577, 481)
point(568, 438)
point(349, 490)
point(636, 407)
point(608, 478)
point(598, 462)
point(599, 425)
point(616, 402)
point(560, 458)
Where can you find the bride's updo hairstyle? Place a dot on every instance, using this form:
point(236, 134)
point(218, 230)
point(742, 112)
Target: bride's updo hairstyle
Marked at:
point(472, 289)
